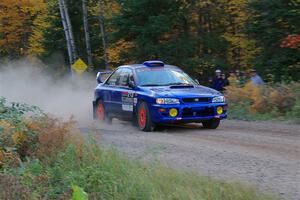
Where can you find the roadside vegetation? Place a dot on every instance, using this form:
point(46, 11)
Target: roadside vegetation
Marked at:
point(44, 158)
point(279, 102)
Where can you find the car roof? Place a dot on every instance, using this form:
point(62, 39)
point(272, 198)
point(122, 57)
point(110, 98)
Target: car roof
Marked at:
point(138, 66)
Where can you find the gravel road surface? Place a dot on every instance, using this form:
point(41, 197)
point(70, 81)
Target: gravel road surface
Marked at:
point(264, 154)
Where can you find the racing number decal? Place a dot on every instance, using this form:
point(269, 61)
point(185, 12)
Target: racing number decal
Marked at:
point(127, 101)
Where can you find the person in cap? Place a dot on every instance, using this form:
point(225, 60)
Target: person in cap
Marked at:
point(218, 72)
point(218, 81)
point(255, 78)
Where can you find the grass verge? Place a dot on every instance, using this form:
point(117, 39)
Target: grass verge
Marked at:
point(105, 175)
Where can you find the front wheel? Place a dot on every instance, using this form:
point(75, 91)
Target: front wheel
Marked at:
point(211, 124)
point(143, 118)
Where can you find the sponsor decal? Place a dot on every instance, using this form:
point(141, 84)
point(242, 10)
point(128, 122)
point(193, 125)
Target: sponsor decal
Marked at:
point(126, 107)
point(127, 101)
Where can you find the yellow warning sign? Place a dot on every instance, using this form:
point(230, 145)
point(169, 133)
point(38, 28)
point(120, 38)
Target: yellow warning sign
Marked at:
point(79, 66)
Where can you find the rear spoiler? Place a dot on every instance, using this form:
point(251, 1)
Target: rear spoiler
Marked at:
point(102, 76)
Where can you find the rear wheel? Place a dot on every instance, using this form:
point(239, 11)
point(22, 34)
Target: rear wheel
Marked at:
point(211, 124)
point(143, 118)
point(102, 115)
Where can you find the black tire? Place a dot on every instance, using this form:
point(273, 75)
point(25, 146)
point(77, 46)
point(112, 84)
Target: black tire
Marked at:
point(147, 126)
point(211, 124)
point(107, 119)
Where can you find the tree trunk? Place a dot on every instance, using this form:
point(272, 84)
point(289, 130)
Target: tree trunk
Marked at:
point(70, 30)
point(87, 35)
point(103, 35)
point(67, 35)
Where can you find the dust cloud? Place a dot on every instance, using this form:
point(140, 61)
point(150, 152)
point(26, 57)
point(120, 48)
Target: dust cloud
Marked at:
point(24, 82)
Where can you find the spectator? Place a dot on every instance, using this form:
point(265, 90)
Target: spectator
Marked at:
point(217, 81)
point(225, 81)
point(211, 82)
point(255, 78)
point(232, 79)
point(237, 73)
point(240, 77)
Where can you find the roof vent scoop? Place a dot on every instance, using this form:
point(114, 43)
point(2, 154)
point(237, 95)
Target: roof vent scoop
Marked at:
point(154, 63)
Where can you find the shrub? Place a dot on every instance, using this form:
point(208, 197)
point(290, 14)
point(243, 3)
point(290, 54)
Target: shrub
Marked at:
point(53, 135)
point(265, 102)
point(25, 131)
point(15, 138)
point(295, 112)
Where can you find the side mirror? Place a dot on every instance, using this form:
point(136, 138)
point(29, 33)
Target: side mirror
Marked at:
point(98, 78)
point(131, 84)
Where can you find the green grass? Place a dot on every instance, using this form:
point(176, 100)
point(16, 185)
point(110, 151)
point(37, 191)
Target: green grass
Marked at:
point(105, 175)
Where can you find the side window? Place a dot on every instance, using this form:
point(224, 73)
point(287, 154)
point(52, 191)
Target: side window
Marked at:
point(125, 76)
point(114, 79)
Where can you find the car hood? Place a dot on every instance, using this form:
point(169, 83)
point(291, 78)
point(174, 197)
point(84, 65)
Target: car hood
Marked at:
point(182, 91)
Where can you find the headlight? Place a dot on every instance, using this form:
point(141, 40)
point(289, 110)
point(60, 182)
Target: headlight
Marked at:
point(167, 101)
point(219, 99)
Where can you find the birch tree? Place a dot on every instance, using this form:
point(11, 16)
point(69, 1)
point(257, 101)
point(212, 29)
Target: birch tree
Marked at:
point(87, 35)
point(67, 35)
point(70, 29)
point(103, 34)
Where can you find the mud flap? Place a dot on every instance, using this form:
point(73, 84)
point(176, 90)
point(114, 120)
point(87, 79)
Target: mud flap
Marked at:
point(94, 110)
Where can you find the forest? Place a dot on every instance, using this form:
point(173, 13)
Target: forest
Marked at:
point(197, 35)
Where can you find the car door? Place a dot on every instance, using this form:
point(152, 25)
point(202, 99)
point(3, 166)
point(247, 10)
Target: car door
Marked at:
point(110, 97)
point(126, 93)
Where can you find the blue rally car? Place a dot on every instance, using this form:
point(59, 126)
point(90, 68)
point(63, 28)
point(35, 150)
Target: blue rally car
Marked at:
point(154, 93)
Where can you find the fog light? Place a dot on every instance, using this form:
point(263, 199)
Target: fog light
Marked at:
point(219, 110)
point(173, 112)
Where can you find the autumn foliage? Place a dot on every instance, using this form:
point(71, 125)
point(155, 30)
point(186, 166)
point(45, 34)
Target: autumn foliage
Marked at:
point(33, 136)
point(22, 23)
point(291, 41)
point(277, 101)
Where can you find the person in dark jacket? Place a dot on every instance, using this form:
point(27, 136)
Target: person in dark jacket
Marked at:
point(224, 81)
point(218, 81)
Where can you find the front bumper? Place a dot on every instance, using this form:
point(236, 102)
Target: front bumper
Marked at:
point(187, 112)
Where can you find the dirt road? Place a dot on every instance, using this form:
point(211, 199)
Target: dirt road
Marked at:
point(266, 155)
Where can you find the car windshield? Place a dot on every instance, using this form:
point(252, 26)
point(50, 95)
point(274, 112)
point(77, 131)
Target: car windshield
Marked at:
point(162, 77)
